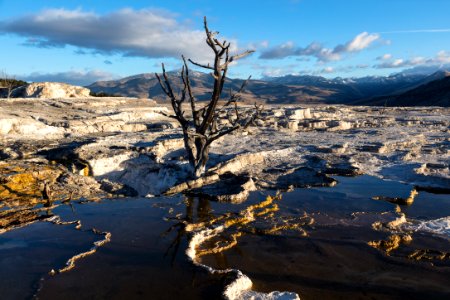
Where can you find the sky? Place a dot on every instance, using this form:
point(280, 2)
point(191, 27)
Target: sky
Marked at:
point(84, 41)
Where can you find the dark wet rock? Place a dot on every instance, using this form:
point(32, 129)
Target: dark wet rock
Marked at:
point(343, 169)
point(433, 190)
point(336, 149)
point(78, 186)
point(275, 170)
point(21, 149)
point(119, 189)
point(315, 162)
point(14, 218)
point(66, 154)
point(339, 165)
point(304, 177)
point(374, 148)
point(230, 188)
point(10, 152)
point(160, 126)
point(429, 254)
point(4, 154)
point(398, 200)
point(392, 243)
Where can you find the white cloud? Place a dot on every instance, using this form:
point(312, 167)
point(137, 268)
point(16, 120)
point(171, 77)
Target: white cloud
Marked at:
point(398, 62)
point(146, 33)
point(258, 45)
point(265, 70)
point(418, 60)
point(395, 63)
point(361, 42)
point(293, 69)
point(274, 72)
point(340, 69)
point(386, 56)
point(426, 69)
point(264, 44)
point(357, 44)
point(442, 57)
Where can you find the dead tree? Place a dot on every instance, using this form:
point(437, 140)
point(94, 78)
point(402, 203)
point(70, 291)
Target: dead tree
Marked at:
point(7, 83)
point(200, 127)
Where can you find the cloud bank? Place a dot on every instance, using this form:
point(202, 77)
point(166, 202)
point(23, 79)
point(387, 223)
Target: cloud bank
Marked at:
point(143, 33)
point(317, 50)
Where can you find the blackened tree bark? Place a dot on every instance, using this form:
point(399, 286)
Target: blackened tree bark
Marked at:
point(200, 128)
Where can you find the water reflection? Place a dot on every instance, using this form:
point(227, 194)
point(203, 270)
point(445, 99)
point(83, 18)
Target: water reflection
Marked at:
point(198, 209)
point(16, 217)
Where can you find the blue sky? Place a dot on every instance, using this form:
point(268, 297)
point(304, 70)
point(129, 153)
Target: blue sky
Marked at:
point(84, 41)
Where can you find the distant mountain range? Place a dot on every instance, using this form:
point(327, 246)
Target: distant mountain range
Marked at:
point(433, 91)
point(396, 90)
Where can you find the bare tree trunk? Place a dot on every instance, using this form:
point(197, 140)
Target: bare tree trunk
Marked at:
point(189, 145)
point(198, 153)
point(202, 158)
point(8, 96)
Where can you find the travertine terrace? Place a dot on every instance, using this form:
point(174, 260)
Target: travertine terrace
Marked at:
point(130, 142)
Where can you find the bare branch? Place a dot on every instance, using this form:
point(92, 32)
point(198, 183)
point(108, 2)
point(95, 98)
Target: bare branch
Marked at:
point(223, 132)
point(201, 65)
point(195, 134)
point(187, 84)
point(239, 56)
point(203, 108)
point(162, 85)
point(176, 103)
point(183, 91)
point(239, 123)
point(168, 85)
point(236, 111)
point(167, 115)
point(210, 36)
point(236, 57)
point(236, 96)
point(218, 43)
point(214, 76)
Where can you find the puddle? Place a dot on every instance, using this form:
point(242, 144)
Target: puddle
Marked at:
point(29, 253)
point(313, 242)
